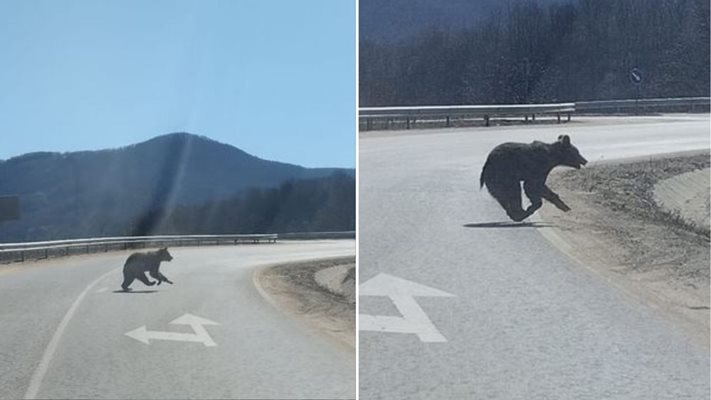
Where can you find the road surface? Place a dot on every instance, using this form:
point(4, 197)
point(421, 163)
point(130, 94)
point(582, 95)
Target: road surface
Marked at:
point(210, 335)
point(457, 303)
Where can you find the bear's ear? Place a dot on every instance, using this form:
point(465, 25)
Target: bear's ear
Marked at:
point(565, 139)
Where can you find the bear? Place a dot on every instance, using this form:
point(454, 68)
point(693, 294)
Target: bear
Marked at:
point(509, 164)
point(138, 264)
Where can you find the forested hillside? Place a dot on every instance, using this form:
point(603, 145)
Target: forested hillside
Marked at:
point(311, 205)
point(531, 53)
point(127, 191)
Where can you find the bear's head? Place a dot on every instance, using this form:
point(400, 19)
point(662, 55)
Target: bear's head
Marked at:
point(567, 154)
point(163, 254)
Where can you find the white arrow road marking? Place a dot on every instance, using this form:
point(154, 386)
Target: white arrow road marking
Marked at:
point(402, 293)
point(197, 323)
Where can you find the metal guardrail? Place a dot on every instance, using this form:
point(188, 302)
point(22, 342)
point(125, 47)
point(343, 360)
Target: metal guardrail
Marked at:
point(641, 106)
point(316, 235)
point(411, 115)
point(14, 252)
point(18, 252)
point(371, 118)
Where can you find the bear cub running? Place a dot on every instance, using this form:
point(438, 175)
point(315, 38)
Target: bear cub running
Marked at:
point(509, 164)
point(138, 264)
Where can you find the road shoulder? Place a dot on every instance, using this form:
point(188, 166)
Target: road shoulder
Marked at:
point(293, 289)
point(617, 230)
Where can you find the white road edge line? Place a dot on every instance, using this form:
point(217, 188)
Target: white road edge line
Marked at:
point(38, 376)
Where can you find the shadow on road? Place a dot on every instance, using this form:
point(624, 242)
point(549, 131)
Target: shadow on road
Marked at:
point(135, 291)
point(507, 225)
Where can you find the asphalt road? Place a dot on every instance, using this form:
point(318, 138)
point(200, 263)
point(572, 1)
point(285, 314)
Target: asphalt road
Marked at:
point(63, 330)
point(504, 314)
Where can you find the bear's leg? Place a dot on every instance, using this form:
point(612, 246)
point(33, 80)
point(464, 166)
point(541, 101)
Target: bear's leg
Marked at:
point(553, 197)
point(164, 278)
point(533, 192)
point(510, 199)
point(517, 215)
point(508, 194)
point(159, 277)
point(143, 278)
point(127, 280)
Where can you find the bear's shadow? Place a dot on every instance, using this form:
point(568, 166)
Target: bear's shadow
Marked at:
point(135, 291)
point(507, 225)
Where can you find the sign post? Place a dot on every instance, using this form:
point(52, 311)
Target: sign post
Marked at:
point(636, 79)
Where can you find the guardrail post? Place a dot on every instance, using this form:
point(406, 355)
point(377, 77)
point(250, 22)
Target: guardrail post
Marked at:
point(568, 117)
point(486, 120)
point(533, 117)
point(408, 122)
point(447, 121)
point(558, 115)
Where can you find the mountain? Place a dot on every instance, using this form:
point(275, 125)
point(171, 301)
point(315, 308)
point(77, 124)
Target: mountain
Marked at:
point(87, 193)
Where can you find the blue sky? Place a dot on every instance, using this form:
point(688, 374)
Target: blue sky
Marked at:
point(275, 78)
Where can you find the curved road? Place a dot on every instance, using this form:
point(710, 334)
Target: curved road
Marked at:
point(454, 305)
point(64, 330)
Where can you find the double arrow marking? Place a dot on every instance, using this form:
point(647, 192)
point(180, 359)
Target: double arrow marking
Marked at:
point(402, 293)
point(200, 334)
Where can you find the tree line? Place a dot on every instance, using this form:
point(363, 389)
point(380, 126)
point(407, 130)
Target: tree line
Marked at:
point(309, 205)
point(527, 53)
point(324, 204)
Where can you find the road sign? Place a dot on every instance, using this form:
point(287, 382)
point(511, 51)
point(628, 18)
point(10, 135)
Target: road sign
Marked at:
point(200, 334)
point(402, 293)
point(635, 76)
point(9, 208)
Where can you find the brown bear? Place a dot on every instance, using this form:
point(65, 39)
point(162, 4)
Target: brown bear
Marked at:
point(509, 164)
point(138, 264)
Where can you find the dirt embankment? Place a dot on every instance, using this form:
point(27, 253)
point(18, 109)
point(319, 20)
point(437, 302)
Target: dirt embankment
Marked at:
point(326, 304)
point(619, 229)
